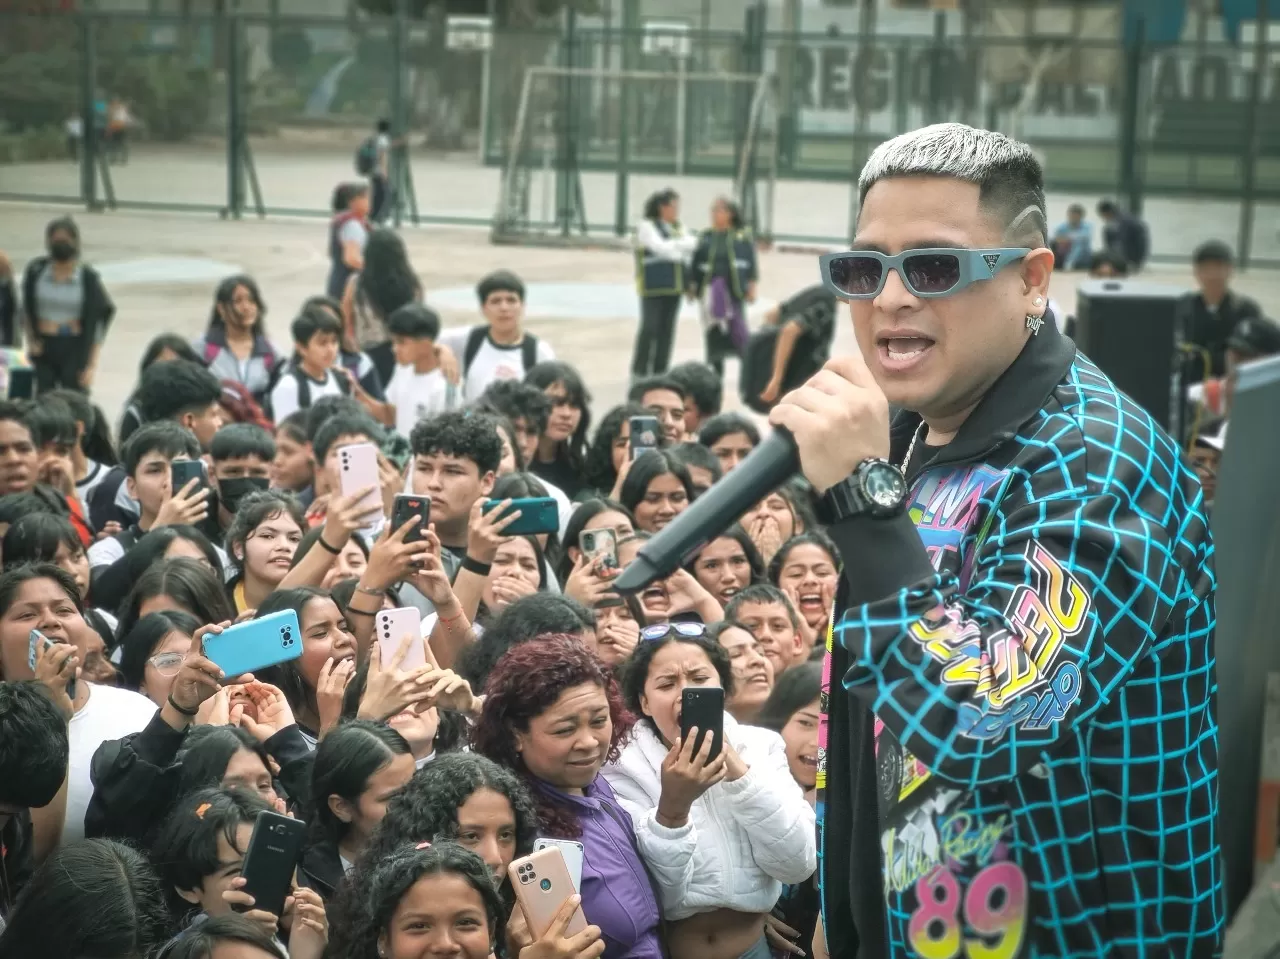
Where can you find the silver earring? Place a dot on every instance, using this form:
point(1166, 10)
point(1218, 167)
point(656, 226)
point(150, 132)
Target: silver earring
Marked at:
point(1039, 301)
point(1034, 323)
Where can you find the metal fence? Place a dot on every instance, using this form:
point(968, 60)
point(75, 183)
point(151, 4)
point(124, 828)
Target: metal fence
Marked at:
point(249, 114)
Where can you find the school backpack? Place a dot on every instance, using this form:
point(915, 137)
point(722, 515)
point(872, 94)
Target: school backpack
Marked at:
point(367, 157)
point(475, 340)
point(304, 387)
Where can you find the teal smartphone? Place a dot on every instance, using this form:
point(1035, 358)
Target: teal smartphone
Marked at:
point(538, 514)
point(257, 644)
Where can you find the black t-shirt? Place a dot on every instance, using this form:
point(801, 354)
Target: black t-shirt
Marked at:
point(559, 473)
point(814, 309)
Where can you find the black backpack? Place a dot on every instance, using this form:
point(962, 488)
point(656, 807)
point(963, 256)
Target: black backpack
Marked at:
point(475, 340)
point(304, 387)
point(367, 157)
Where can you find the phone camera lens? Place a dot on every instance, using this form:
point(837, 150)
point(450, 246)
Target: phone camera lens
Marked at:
point(545, 885)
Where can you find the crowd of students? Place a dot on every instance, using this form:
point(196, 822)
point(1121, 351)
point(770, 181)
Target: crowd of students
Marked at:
point(132, 770)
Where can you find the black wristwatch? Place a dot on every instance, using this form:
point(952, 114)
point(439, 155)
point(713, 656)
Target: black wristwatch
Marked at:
point(877, 489)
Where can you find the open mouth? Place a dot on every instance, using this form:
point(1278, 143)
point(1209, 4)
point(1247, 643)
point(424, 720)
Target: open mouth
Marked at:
point(811, 602)
point(809, 759)
point(728, 592)
point(758, 678)
point(902, 350)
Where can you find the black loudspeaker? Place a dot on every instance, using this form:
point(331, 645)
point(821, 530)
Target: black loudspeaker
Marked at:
point(1131, 330)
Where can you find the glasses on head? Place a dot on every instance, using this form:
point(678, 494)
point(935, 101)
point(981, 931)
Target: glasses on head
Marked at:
point(166, 664)
point(662, 630)
point(861, 274)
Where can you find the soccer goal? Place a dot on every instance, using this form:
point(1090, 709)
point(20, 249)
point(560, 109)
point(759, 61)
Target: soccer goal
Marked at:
point(588, 145)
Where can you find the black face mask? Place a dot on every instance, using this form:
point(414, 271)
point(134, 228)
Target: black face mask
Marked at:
point(233, 491)
point(62, 250)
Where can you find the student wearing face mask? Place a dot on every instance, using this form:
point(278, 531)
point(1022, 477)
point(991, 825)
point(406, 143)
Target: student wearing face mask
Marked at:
point(66, 311)
point(242, 455)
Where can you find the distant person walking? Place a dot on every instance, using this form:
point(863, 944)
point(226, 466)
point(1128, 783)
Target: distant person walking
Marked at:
point(662, 252)
point(724, 276)
point(348, 233)
point(373, 160)
point(66, 310)
point(1124, 235)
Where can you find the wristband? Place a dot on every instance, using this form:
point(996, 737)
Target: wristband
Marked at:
point(189, 713)
point(361, 612)
point(379, 593)
point(326, 547)
point(475, 566)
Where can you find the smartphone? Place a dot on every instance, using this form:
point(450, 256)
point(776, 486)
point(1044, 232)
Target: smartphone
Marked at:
point(406, 506)
point(538, 514)
point(646, 431)
point(34, 641)
point(269, 863)
point(703, 707)
point(256, 644)
point(599, 543)
point(22, 382)
point(542, 884)
point(182, 472)
point(357, 469)
point(572, 852)
point(391, 626)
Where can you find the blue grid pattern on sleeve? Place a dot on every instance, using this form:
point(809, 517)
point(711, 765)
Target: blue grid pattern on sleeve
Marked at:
point(1114, 810)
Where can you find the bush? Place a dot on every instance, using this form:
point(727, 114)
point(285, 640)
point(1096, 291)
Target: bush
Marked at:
point(33, 145)
point(290, 50)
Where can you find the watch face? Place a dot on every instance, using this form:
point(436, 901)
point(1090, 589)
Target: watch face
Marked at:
point(884, 485)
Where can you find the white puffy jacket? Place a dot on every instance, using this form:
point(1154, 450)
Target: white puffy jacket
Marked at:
point(743, 840)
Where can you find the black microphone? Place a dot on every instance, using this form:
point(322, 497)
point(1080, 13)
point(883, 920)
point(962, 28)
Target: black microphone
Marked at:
point(775, 460)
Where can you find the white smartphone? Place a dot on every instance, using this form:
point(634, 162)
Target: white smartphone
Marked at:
point(572, 852)
point(357, 469)
point(391, 626)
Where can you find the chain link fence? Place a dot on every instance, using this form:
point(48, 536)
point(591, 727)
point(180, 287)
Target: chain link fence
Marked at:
point(248, 114)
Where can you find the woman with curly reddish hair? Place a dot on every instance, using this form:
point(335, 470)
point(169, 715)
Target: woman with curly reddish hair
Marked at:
point(554, 716)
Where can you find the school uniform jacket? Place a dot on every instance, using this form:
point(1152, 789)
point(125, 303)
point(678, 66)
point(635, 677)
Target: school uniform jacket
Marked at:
point(1020, 754)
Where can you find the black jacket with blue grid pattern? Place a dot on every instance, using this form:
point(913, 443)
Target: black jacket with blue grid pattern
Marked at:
point(1020, 756)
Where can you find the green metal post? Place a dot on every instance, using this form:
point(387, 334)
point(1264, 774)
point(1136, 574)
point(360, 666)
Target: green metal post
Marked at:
point(235, 121)
point(1129, 185)
point(628, 36)
point(88, 120)
point(399, 126)
point(1253, 145)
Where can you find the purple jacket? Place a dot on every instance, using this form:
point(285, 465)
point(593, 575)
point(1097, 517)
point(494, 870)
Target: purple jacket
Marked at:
point(617, 894)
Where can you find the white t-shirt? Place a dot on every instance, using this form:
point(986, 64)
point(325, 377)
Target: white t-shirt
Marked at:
point(492, 362)
point(353, 231)
point(97, 473)
point(415, 395)
point(284, 398)
point(110, 713)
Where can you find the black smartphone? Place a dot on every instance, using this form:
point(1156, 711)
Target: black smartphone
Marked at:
point(22, 382)
point(406, 506)
point(646, 432)
point(703, 707)
point(182, 472)
point(269, 862)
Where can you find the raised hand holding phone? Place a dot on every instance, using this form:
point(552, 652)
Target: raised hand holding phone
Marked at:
point(56, 667)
